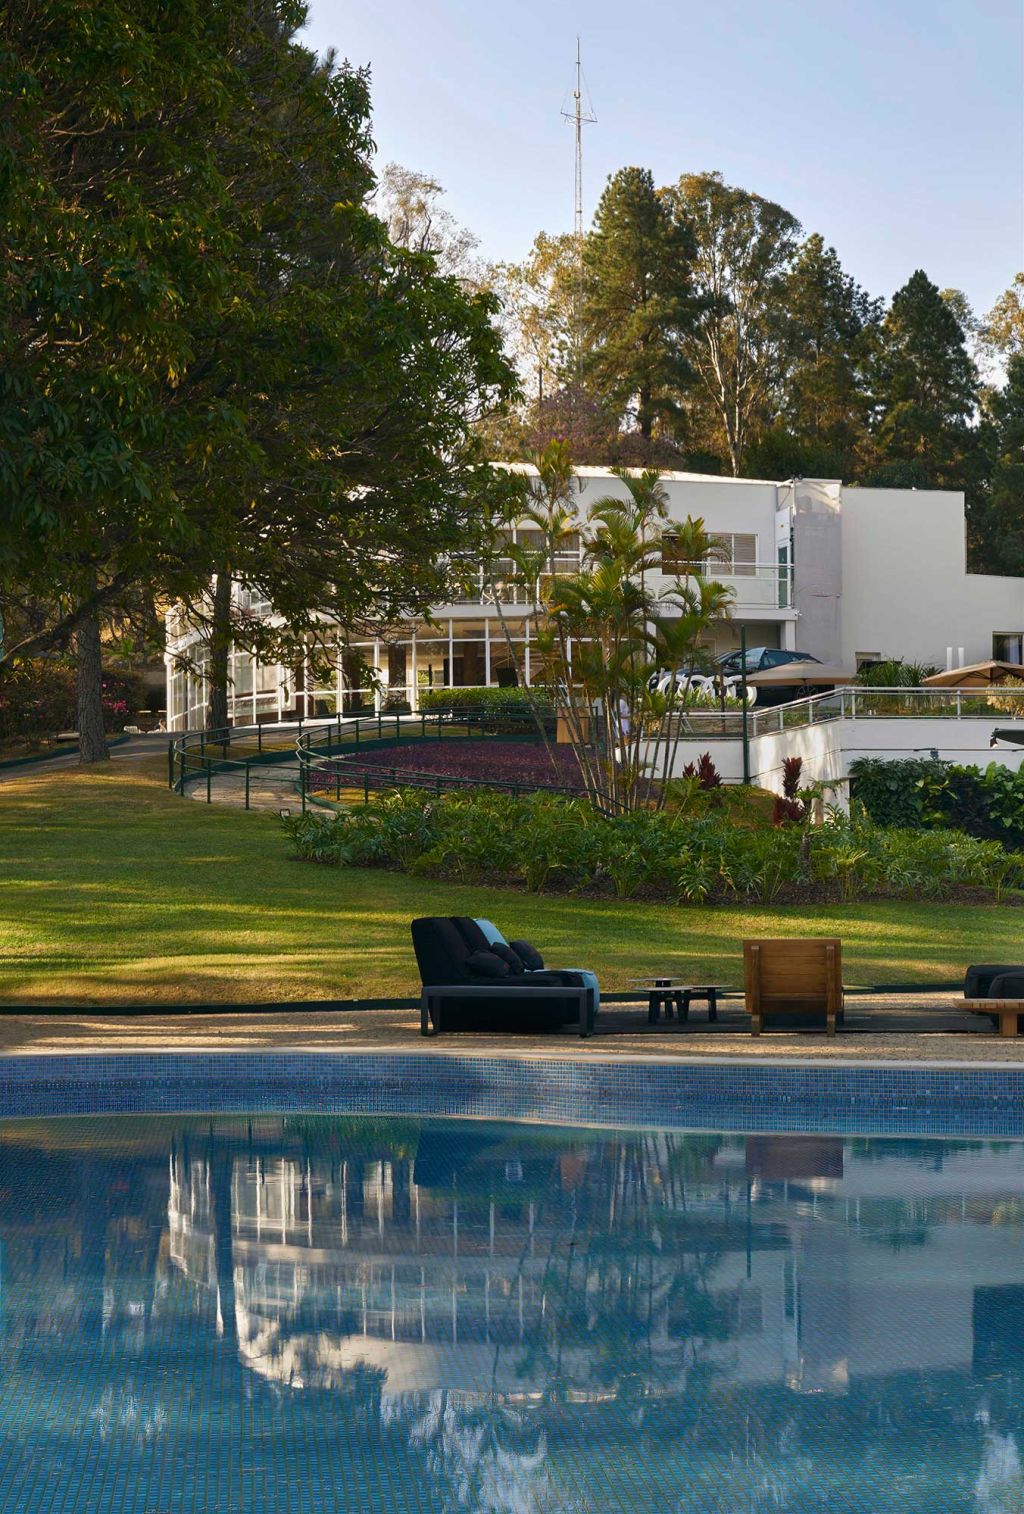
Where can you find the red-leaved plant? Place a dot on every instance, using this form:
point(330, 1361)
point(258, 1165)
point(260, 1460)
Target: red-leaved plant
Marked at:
point(705, 772)
point(789, 808)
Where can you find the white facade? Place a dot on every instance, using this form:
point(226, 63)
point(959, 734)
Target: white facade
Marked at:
point(844, 574)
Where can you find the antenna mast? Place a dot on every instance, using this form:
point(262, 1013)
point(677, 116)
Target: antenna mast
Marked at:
point(580, 116)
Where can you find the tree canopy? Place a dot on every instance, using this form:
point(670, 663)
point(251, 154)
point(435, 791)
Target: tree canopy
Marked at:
point(215, 359)
point(638, 304)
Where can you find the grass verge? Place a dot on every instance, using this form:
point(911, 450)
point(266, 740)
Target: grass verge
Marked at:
point(113, 890)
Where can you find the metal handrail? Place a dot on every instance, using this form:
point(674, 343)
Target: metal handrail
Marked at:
point(197, 755)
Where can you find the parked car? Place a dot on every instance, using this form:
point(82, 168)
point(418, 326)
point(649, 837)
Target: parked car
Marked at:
point(759, 659)
point(729, 671)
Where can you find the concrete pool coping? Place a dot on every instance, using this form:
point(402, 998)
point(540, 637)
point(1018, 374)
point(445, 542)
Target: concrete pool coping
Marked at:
point(920, 1031)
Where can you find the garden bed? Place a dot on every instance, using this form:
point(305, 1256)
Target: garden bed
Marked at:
point(548, 843)
point(525, 764)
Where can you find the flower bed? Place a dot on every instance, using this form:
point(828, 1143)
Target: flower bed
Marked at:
point(523, 763)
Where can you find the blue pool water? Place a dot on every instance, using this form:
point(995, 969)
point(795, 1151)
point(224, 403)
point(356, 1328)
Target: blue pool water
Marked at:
point(341, 1312)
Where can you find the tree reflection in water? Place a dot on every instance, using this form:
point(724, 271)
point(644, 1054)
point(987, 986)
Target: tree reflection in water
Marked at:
point(331, 1312)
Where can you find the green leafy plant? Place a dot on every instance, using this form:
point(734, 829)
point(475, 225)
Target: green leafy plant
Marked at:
point(546, 842)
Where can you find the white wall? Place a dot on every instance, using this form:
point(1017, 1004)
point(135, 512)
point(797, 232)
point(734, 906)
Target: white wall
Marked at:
point(906, 591)
point(828, 749)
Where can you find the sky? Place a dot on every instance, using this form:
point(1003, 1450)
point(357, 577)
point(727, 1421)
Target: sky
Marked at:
point(895, 128)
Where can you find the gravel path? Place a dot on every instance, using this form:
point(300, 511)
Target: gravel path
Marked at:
point(880, 1028)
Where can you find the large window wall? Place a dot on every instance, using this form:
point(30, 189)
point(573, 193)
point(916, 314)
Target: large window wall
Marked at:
point(359, 676)
point(385, 673)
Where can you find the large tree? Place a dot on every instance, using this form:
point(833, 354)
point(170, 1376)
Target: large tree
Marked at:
point(743, 246)
point(822, 403)
point(638, 302)
point(924, 392)
point(539, 298)
point(1002, 330)
point(215, 360)
point(995, 519)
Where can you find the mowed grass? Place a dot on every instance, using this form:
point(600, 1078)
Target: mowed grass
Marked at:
point(113, 890)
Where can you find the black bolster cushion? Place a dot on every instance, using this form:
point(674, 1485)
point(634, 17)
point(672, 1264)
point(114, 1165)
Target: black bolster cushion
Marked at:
point(487, 965)
point(528, 955)
point(981, 975)
point(1007, 986)
point(514, 960)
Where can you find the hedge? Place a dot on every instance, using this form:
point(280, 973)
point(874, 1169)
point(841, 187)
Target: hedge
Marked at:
point(925, 794)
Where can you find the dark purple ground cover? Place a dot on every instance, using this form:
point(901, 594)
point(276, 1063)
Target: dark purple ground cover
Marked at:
point(524, 762)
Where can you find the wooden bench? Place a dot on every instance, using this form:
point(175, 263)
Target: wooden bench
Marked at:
point(1003, 1010)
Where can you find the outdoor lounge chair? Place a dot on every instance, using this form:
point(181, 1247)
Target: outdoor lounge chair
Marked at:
point(473, 980)
point(996, 989)
point(794, 976)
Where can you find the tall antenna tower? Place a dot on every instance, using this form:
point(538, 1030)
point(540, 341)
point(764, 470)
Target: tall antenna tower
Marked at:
point(579, 116)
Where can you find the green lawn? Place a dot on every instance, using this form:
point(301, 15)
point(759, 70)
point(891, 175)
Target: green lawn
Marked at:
point(112, 889)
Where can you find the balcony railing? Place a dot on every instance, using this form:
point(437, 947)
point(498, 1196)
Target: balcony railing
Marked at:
point(855, 703)
point(755, 586)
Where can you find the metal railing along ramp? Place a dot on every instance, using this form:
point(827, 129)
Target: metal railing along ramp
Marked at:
point(317, 758)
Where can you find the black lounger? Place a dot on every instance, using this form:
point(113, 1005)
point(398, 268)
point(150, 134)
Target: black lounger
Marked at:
point(471, 984)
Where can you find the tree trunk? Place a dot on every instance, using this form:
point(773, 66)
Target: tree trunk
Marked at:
point(92, 742)
point(220, 653)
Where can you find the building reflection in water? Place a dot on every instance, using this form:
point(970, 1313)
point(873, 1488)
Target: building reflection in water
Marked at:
point(524, 1317)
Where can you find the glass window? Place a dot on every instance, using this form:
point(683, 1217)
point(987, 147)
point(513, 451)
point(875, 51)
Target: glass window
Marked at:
point(1008, 646)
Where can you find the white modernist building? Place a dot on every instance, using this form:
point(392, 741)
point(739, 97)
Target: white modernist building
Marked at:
point(848, 575)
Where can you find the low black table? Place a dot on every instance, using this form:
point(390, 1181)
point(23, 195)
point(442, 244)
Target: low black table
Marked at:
point(672, 994)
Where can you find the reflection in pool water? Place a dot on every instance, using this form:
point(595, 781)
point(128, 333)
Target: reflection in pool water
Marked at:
point(319, 1313)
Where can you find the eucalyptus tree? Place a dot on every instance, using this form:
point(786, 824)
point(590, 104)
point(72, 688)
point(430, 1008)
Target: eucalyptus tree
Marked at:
point(743, 248)
point(1002, 330)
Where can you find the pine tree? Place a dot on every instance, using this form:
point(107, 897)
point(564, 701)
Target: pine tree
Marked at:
point(925, 392)
point(823, 406)
point(638, 302)
point(995, 522)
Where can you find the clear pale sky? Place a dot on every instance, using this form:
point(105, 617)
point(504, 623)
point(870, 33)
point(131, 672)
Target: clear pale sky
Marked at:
point(893, 127)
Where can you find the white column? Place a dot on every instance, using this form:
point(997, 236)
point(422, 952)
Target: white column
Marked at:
point(339, 684)
point(414, 683)
point(487, 650)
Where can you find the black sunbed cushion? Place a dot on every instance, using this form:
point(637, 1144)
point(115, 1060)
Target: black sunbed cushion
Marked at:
point(528, 955)
point(514, 960)
point(487, 964)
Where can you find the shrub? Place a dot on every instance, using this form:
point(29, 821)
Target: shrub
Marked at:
point(39, 699)
point(547, 842)
point(513, 702)
point(987, 804)
point(789, 808)
point(895, 673)
point(896, 793)
point(705, 772)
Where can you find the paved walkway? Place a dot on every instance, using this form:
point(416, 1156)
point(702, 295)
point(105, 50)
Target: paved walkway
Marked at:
point(878, 1029)
point(270, 788)
point(148, 744)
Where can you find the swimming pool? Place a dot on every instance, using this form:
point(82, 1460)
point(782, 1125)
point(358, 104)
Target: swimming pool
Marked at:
point(268, 1311)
